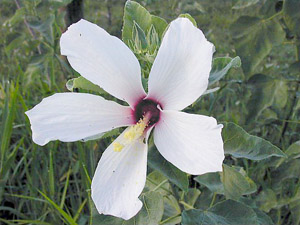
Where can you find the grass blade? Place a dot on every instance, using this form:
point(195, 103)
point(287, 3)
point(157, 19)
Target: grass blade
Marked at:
point(67, 217)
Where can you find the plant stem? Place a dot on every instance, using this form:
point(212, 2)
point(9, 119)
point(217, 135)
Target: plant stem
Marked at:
point(272, 17)
point(168, 219)
point(213, 200)
point(160, 185)
point(186, 205)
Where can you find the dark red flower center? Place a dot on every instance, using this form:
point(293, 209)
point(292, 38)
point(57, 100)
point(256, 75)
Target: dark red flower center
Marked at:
point(147, 108)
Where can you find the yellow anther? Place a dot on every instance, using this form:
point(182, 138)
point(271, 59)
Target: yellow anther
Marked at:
point(117, 146)
point(136, 131)
point(132, 134)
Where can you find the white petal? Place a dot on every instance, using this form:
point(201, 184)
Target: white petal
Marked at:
point(104, 60)
point(193, 143)
point(119, 179)
point(75, 116)
point(181, 69)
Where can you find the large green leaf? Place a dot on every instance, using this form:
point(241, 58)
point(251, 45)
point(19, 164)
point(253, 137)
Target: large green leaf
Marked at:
point(233, 182)
point(266, 92)
point(191, 197)
point(240, 144)
point(266, 200)
point(221, 66)
point(254, 38)
point(171, 210)
point(176, 176)
point(228, 212)
point(151, 213)
point(291, 9)
point(158, 183)
point(212, 181)
point(287, 170)
point(135, 13)
point(236, 183)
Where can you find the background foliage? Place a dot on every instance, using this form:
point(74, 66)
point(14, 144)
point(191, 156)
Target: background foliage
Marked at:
point(253, 91)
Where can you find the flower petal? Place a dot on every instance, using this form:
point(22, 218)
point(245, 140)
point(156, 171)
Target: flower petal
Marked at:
point(104, 60)
point(191, 142)
point(119, 179)
point(75, 116)
point(180, 72)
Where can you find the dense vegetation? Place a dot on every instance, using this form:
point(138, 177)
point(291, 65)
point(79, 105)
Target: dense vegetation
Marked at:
point(255, 93)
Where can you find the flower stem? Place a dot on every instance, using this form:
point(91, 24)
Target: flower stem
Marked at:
point(213, 200)
point(186, 205)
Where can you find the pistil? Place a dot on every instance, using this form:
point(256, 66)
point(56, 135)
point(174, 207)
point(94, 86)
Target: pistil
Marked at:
point(133, 133)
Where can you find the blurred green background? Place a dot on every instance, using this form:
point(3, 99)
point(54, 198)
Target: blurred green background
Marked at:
point(51, 184)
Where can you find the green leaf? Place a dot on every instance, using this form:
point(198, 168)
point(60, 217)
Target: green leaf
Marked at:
point(294, 150)
point(151, 213)
point(59, 3)
point(191, 197)
point(157, 182)
point(8, 113)
point(262, 218)
point(45, 28)
point(38, 66)
point(94, 137)
point(176, 176)
point(7, 164)
point(8, 156)
point(14, 44)
point(241, 4)
point(212, 181)
point(236, 183)
point(266, 200)
point(287, 170)
point(135, 13)
point(139, 37)
point(228, 212)
point(188, 16)
point(171, 210)
point(205, 199)
point(294, 205)
point(291, 14)
point(266, 92)
point(82, 83)
point(240, 144)
point(16, 18)
point(159, 24)
point(254, 39)
point(221, 66)
point(294, 69)
point(8, 116)
point(153, 42)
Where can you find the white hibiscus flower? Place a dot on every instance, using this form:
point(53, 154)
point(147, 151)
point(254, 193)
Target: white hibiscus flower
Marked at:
point(179, 75)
